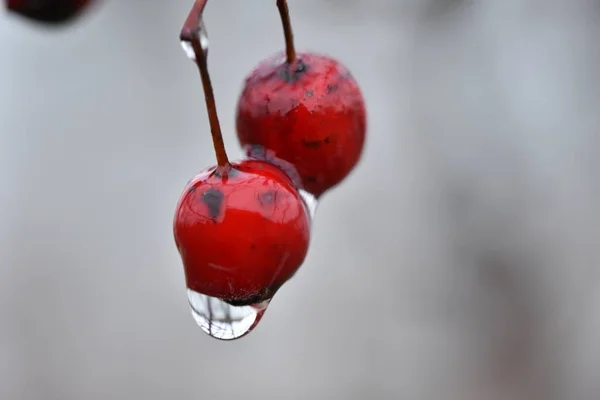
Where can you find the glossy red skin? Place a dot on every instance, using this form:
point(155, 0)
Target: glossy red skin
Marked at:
point(315, 119)
point(243, 248)
point(47, 11)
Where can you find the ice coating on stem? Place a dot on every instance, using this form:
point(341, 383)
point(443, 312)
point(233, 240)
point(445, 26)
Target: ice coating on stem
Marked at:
point(204, 43)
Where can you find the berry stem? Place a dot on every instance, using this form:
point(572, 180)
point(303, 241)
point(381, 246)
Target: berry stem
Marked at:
point(284, 12)
point(190, 33)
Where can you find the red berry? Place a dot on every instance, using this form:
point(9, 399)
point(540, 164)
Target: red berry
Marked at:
point(47, 11)
point(309, 113)
point(242, 231)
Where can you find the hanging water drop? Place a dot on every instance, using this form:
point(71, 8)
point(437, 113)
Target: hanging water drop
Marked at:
point(187, 45)
point(310, 201)
point(224, 321)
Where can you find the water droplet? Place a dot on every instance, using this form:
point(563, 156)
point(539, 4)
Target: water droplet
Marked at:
point(187, 46)
point(188, 49)
point(310, 201)
point(221, 320)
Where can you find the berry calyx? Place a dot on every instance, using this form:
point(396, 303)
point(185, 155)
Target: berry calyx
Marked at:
point(243, 234)
point(308, 110)
point(242, 229)
point(47, 11)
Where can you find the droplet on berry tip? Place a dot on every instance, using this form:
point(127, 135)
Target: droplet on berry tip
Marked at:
point(203, 35)
point(222, 320)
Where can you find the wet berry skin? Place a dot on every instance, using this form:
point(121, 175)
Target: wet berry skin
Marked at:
point(47, 11)
point(309, 113)
point(241, 234)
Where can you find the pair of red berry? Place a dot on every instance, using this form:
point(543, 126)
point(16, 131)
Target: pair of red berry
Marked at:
point(242, 228)
point(48, 11)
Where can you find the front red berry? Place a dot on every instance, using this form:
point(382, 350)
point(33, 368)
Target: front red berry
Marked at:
point(309, 112)
point(242, 231)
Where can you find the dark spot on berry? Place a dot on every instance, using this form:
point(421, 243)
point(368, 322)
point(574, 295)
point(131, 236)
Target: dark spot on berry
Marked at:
point(310, 93)
point(327, 140)
point(300, 66)
point(312, 144)
point(213, 198)
point(267, 199)
point(253, 246)
point(292, 72)
point(259, 297)
point(332, 88)
point(192, 189)
point(311, 179)
point(241, 302)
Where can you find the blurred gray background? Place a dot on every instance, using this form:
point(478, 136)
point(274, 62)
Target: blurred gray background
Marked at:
point(458, 262)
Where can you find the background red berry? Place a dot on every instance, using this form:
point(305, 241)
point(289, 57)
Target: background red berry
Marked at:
point(241, 235)
point(48, 11)
point(310, 113)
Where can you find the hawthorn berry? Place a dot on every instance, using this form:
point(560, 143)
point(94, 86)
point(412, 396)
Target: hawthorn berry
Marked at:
point(47, 11)
point(242, 231)
point(242, 228)
point(307, 110)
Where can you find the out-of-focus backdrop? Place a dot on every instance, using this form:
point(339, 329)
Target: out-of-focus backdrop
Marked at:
point(458, 262)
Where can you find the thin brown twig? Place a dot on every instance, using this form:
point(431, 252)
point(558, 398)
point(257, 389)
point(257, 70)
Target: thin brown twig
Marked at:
point(190, 33)
point(284, 12)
